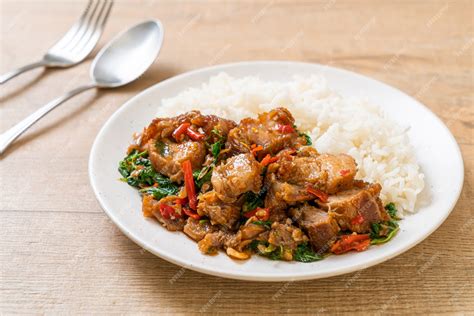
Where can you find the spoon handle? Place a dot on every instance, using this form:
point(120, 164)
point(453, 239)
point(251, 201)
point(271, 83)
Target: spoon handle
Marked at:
point(10, 135)
point(12, 74)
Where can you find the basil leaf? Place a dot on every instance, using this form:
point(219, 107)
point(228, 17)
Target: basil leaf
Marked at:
point(304, 253)
point(252, 200)
point(266, 224)
point(391, 210)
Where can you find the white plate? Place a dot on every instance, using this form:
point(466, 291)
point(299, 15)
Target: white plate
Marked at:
point(436, 151)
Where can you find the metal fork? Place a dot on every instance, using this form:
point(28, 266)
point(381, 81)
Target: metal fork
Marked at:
point(76, 44)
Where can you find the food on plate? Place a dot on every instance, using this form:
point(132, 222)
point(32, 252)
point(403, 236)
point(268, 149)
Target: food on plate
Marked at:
point(254, 187)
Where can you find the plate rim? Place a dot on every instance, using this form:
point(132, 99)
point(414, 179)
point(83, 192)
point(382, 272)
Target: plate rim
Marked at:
point(258, 277)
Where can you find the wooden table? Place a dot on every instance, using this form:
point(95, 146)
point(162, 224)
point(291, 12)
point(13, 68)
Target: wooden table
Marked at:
point(60, 252)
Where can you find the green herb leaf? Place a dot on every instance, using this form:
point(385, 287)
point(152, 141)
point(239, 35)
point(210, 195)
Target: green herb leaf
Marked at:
point(304, 253)
point(160, 192)
point(383, 240)
point(137, 171)
point(203, 221)
point(252, 200)
point(382, 232)
point(276, 254)
point(391, 210)
point(266, 224)
point(202, 176)
point(309, 142)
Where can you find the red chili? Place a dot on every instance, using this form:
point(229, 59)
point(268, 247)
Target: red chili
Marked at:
point(191, 213)
point(268, 160)
point(318, 193)
point(344, 172)
point(351, 242)
point(189, 183)
point(261, 213)
point(250, 213)
point(180, 131)
point(286, 129)
point(255, 149)
point(168, 211)
point(359, 219)
point(194, 135)
point(181, 201)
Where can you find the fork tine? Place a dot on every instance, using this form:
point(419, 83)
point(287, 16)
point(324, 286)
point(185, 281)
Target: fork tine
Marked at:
point(85, 26)
point(88, 45)
point(74, 29)
point(90, 39)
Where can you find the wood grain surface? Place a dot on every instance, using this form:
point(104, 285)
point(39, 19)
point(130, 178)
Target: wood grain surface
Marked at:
point(60, 253)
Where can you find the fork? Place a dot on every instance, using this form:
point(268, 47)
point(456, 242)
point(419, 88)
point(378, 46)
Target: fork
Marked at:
point(76, 44)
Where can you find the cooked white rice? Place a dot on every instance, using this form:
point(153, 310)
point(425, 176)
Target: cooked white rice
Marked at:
point(336, 125)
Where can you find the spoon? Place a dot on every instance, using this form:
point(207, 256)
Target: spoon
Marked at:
point(120, 62)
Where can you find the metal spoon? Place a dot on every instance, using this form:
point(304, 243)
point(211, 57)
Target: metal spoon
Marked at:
point(120, 62)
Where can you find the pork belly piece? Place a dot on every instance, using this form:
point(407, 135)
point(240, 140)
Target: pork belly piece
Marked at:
point(288, 179)
point(151, 207)
point(357, 208)
point(168, 150)
point(166, 157)
point(239, 174)
point(162, 128)
point(328, 173)
point(340, 170)
point(321, 228)
point(272, 130)
point(197, 229)
point(282, 240)
point(219, 212)
point(220, 239)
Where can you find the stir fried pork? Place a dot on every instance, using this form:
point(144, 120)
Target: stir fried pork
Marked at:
point(219, 212)
point(357, 208)
point(171, 141)
point(167, 156)
point(197, 229)
point(239, 174)
point(173, 222)
point(161, 128)
point(289, 178)
point(321, 228)
point(273, 131)
point(255, 187)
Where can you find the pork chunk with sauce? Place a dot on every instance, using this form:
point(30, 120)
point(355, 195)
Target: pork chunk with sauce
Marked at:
point(151, 208)
point(272, 130)
point(219, 212)
point(357, 208)
point(166, 157)
point(162, 128)
point(288, 179)
point(321, 228)
point(239, 174)
point(197, 229)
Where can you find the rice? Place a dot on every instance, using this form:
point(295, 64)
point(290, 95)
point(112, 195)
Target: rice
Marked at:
point(336, 125)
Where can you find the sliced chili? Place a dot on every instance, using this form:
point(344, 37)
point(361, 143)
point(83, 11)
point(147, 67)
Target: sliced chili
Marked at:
point(194, 135)
point(323, 196)
point(255, 149)
point(189, 183)
point(180, 131)
point(359, 219)
point(351, 242)
point(168, 211)
point(268, 160)
point(286, 129)
point(191, 213)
